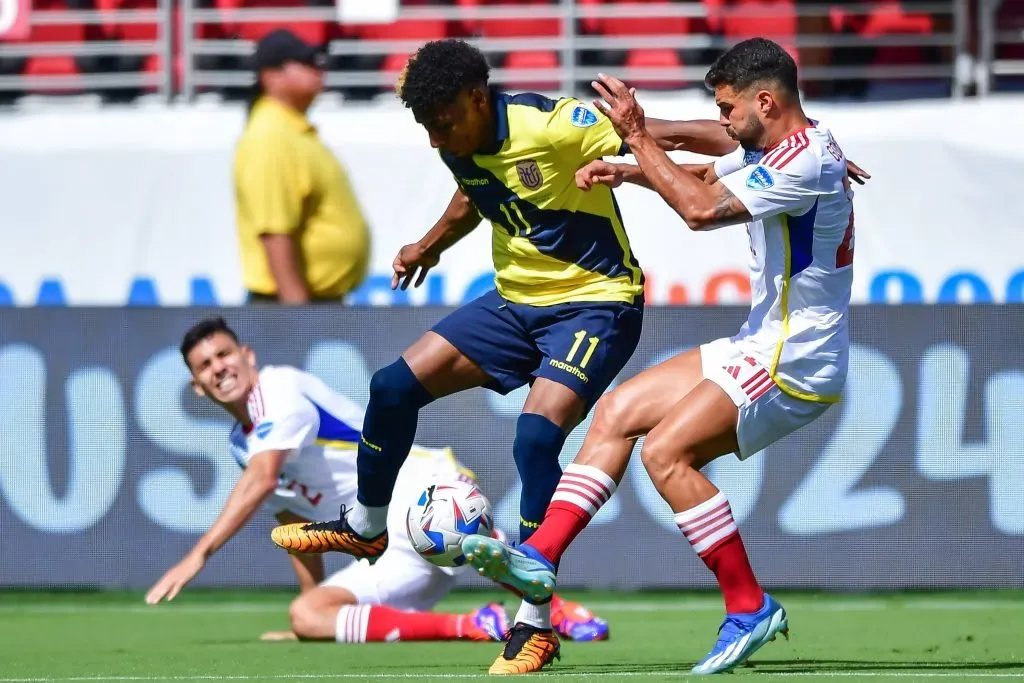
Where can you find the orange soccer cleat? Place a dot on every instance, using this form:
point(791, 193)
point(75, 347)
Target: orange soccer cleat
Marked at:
point(334, 536)
point(527, 649)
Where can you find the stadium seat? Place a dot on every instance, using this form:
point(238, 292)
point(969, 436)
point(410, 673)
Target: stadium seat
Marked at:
point(742, 19)
point(667, 60)
point(889, 18)
point(523, 61)
point(71, 32)
point(1010, 17)
point(52, 66)
point(314, 32)
point(521, 25)
point(644, 26)
point(394, 63)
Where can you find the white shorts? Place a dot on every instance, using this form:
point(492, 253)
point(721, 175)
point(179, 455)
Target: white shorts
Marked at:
point(399, 579)
point(766, 413)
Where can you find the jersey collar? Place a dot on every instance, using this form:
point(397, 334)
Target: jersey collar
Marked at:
point(813, 124)
point(271, 108)
point(499, 103)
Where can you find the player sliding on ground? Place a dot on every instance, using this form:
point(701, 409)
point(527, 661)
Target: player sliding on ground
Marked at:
point(295, 438)
point(781, 371)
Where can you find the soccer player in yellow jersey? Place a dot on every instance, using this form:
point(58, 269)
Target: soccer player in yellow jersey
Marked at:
point(565, 314)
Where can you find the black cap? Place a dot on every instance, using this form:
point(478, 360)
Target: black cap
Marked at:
point(281, 46)
point(276, 49)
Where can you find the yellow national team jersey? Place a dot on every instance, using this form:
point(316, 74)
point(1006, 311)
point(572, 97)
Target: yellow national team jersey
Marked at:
point(288, 182)
point(552, 243)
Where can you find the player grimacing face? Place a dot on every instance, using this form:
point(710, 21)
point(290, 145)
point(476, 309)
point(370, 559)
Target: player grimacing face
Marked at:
point(740, 114)
point(462, 128)
point(222, 369)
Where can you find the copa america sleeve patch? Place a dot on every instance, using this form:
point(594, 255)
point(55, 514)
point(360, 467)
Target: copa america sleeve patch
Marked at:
point(760, 179)
point(583, 117)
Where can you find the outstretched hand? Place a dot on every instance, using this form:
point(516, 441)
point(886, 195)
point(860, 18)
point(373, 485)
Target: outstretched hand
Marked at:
point(412, 259)
point(622, 109)
point(171, 583)
point(856, 173)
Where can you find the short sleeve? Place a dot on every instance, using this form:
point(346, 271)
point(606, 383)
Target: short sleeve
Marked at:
point(730, 163)
point(766, 191)
point(267, 186)
point(284, 419)
point(579, 130)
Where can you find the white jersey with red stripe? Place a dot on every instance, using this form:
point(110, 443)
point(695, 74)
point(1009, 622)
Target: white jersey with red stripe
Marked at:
point(319, 429)
point(801, 260)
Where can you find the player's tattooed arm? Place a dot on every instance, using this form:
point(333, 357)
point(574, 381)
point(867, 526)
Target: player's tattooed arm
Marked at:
point(727, 210)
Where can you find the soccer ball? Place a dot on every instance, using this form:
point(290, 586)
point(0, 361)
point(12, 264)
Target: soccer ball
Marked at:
point(443, 515)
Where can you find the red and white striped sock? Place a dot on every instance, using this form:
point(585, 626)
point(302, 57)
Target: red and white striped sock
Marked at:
point(713, 534)
point(581, 492)
point(379, 624)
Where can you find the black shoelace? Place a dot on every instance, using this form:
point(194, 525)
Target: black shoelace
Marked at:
point(517, 638)
point(333, 525)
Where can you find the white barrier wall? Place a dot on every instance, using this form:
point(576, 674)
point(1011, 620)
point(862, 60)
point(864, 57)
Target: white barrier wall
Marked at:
point(112, 206)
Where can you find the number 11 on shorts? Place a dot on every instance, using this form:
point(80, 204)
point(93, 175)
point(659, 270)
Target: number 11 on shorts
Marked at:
point(580, 336)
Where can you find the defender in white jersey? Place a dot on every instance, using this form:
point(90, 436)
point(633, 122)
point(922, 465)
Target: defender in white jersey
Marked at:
point(788, 363)
point(295, 439)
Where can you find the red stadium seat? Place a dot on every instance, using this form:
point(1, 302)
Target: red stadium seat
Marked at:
point(55, 33)
point(645, 26)
point(113, 29)
point(520, 25)
point(890, 19)
point(313, 32)
point(403, 29)
point(52, 66)
point(531, 61)
point(668, 60)
point(394, 63)
point(774, 19)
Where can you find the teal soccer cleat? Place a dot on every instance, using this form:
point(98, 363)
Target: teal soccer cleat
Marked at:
point(522, 569)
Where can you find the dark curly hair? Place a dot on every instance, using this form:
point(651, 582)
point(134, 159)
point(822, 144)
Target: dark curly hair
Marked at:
point(437, 73)
point(200, 331)
point(757, 60)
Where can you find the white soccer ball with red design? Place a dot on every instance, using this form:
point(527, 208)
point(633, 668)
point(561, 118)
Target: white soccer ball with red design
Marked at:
point(443, 515)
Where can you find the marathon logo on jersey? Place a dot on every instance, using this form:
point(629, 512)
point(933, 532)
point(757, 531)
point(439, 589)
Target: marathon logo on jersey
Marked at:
point(263, 428)
point(529, 174)
point(760, 179)
point(583, 117)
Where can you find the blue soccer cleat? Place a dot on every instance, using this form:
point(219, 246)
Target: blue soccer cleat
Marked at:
point(489, 622)
point(573, 621)
point(741, 635)
point(522, 569)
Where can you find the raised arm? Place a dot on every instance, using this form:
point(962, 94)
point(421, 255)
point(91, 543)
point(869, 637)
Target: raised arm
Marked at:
point(700, 137)
point(600, 172)
point(457, 221)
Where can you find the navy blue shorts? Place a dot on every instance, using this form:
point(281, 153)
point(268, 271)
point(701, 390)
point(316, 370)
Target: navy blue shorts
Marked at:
point(581, 345)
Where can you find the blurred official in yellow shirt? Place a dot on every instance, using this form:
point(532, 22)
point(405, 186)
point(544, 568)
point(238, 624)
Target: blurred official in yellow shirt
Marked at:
point(302, 234)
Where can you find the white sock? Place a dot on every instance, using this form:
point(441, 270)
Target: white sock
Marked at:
point(538, 616)
point(368, 521)
point(351, 623)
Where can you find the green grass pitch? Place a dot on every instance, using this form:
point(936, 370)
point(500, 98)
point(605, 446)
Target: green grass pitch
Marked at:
point(213, 636)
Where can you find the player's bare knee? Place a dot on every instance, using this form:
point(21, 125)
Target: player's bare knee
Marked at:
point(302, 615)
point(663, 460)
point(612, 415)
